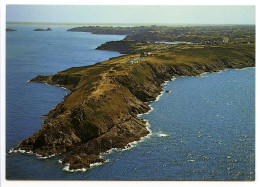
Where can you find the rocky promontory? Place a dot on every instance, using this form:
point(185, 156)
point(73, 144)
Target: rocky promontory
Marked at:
point(101, 110)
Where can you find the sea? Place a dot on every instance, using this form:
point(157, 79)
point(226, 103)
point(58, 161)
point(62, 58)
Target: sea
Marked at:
point(202, 128)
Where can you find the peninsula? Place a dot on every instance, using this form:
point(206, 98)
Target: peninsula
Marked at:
point(100, 112)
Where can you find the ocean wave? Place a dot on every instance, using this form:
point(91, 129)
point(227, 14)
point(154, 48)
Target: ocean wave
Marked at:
point(45, 157)
point(95, 164)
point(165, 83)
point(64, 88)
point(12, 150)
point(60, 161)
point(159, 96)
point(67, 167)
point(173, 79)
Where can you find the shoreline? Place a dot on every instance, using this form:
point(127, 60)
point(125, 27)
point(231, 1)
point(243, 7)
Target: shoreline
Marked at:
point(135, 143)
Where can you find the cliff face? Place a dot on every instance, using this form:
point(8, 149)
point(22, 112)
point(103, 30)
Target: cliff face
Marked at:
point(101, 111)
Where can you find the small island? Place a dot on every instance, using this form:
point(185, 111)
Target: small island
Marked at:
point(40, 29)
point(9, 30)
point(101, 111)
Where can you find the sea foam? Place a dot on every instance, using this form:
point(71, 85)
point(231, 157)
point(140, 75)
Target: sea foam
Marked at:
point(12, 150)
point(67, 166)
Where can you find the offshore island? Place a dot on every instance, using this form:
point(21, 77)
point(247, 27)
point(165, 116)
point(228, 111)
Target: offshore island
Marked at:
point(101, 111)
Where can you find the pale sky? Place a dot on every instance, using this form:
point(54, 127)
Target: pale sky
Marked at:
point(132, 14)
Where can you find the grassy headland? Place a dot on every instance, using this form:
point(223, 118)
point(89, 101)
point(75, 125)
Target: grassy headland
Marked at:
point(101, 111)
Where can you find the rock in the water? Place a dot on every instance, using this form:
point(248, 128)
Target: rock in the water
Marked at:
point(8, 30)
point(40, 29)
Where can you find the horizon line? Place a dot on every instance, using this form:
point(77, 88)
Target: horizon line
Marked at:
point(117, 23)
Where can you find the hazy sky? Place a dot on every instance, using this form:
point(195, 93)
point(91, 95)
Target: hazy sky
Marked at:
point(132, 14)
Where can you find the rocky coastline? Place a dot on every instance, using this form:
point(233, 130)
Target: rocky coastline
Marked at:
point(101, 111)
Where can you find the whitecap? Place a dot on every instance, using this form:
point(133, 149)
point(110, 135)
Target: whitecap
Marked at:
point(159, 96)
point(66, 167)
point(12, 151)
point(163, 135)
point(29, 152)
point(21, 151)
point(165, 83)
point(64, 88)
point(52, 155)
point(151, 109)
point(42, 157)
point(95, 164)
point(173, 79)
point(60, 161)
point(204, 74)
point(220, 71)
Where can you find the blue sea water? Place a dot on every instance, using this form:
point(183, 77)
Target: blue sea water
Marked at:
point(204, 129)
